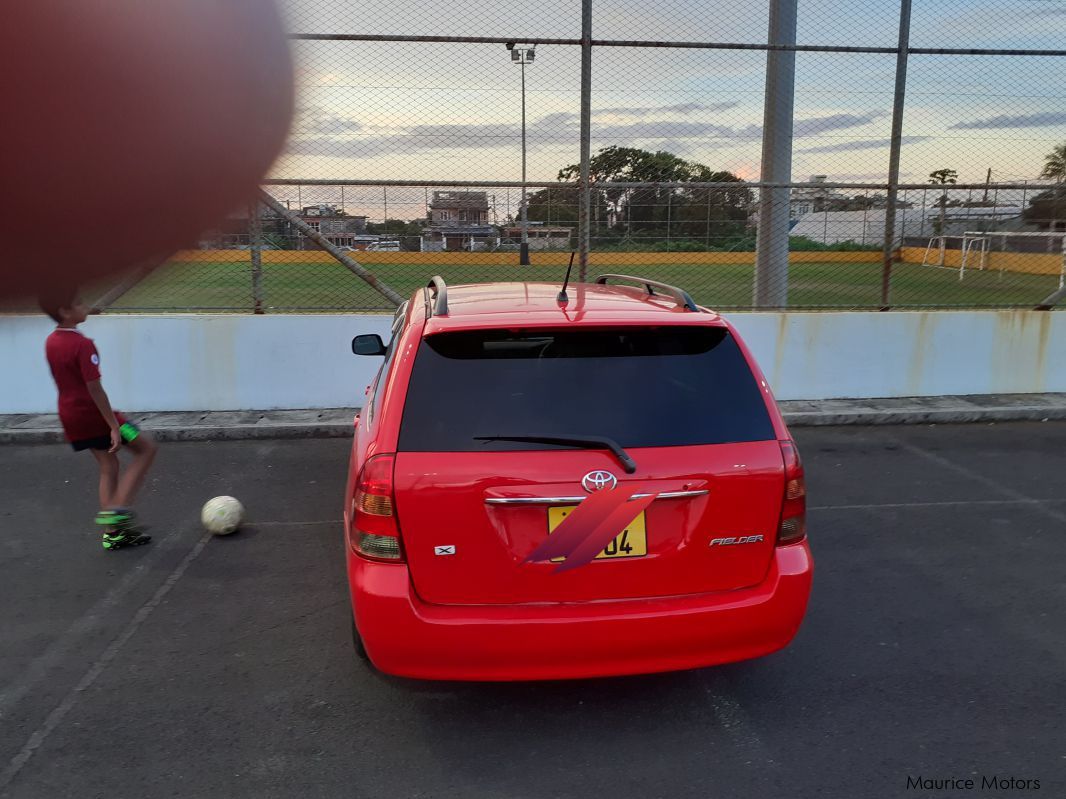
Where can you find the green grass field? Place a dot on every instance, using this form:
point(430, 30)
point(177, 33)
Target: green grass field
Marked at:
point(227, 286)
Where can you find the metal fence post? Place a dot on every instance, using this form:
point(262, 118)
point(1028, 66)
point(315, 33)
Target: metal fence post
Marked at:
point(707, 232)
point(771, 244)
point(925, 204)
point(888, 250)
point(586, 141)
point(669, 212)
point(865, 214)
point(255, 240)
point(523, 247)
point(903, 221)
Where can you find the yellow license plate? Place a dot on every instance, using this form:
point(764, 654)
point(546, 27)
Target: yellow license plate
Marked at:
point(632, 542)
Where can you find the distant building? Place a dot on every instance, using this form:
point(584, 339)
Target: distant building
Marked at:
point(962, 219)
point(457, 238)
point(232, 231)
point(541, 237)
point(458, 220)
point(363, 241)
point(459, 208)
point(816, 197)
point(339, 228)
point(861, 227)
point(915, 224)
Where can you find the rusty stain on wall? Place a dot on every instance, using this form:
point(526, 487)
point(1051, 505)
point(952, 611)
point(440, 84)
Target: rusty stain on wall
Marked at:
point(1020, 349)
point(921, 341)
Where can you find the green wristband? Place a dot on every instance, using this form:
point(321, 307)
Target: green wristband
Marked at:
point(128, 432)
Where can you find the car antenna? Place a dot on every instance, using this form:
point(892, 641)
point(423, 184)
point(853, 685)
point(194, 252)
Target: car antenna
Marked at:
point(561, 297)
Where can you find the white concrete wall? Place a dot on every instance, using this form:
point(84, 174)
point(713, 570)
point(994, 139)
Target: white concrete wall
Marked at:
point(220, 362)
point(907, 354)
point(200, 362)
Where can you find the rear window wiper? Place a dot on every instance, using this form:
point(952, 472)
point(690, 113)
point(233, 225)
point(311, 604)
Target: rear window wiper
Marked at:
point(587, 442)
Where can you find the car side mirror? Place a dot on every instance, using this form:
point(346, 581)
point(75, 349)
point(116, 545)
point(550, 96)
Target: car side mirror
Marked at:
point(368, 344)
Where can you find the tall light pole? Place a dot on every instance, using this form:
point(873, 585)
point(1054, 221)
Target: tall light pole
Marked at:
point(771, 238)
point(523, 56)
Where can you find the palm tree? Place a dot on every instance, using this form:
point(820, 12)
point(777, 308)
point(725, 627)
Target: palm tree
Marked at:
point(942, 177)
point(1055, 164)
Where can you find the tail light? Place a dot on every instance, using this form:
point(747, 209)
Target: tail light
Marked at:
point(375, 533)
point(793, 525)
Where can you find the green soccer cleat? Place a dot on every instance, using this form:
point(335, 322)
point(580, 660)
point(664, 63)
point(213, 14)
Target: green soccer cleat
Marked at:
point(130, 538)
point(121, 529)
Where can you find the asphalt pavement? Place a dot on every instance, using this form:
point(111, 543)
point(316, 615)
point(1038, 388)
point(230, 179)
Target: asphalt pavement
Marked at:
point(934, 646)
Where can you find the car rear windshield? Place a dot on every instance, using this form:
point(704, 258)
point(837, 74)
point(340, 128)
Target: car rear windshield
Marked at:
point(642, 387)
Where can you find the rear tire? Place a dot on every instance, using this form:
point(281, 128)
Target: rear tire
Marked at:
point(357, 644)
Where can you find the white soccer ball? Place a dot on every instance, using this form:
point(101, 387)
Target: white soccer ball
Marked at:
point(222, 515)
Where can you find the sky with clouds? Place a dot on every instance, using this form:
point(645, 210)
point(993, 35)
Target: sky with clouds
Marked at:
point(452, 111)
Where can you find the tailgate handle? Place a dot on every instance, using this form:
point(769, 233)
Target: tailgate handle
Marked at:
point(575, 500)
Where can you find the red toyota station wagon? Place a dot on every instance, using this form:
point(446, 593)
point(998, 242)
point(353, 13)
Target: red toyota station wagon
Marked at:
point(501, 408)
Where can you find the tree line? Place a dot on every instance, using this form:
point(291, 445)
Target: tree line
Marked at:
point(713, 216)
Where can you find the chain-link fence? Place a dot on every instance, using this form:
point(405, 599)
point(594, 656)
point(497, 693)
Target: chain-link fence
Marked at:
point(758, 153)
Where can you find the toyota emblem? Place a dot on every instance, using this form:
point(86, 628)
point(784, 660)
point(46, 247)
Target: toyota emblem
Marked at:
point(598, 481)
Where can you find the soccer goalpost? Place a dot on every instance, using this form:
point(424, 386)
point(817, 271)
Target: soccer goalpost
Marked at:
point(975, 247)
point(940, 244)
point(978, 244)
point(972, 245)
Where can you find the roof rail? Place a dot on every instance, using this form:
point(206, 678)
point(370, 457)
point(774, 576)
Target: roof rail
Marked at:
point(682, 296)
point(440, 295)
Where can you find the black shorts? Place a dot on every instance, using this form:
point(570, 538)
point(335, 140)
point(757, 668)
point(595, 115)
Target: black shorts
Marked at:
point(128, 430)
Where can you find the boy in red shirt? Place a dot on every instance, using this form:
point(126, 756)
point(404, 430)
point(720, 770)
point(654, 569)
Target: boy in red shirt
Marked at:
point(90, 423)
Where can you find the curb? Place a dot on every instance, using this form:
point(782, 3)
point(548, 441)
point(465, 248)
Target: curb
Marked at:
point(198, 426)
point(229, 433)
point(959, 416)
point(337, 422)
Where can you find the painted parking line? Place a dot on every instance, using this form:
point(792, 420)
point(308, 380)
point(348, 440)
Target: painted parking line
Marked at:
point(60, 650)
point(55, 718)
point(69, 641)
point(1042, 506)
point(942, 504)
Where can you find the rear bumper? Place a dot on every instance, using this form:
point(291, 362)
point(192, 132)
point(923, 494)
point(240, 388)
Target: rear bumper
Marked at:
point(409, 638)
